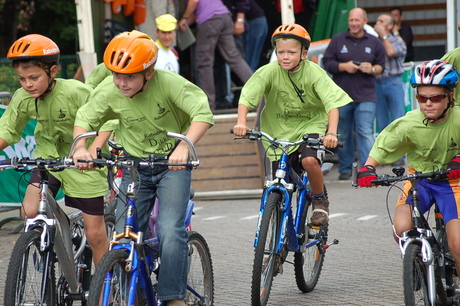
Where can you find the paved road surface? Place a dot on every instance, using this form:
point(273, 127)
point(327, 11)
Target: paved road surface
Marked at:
point(363, 269)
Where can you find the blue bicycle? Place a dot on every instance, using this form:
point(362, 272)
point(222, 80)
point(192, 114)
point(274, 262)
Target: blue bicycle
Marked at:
point(127, 274)
point(282, 228)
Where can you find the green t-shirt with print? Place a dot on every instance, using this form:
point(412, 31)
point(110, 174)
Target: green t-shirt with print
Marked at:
point(169, 104)
point(453, 57)
point(55, 116)
point(428, 148)
point(284, 115)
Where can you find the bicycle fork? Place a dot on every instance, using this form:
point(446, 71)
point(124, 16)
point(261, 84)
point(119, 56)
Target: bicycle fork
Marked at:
point(427, 257)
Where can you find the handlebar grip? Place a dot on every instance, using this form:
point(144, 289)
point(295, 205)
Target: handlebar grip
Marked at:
point(231, 131)
point(340, 145)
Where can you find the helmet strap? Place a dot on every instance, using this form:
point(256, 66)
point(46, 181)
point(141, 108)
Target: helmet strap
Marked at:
point(426, 120)
point(47, 91)
point(142, 88)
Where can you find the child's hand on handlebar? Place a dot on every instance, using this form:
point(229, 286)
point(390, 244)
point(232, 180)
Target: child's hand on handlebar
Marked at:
point(179, 156)
point(82, 154)
point(330, 140)
point(366, 175)
point(240, 129)
point(454, 167)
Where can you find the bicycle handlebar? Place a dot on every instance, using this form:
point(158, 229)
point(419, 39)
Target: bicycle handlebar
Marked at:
point(48, 163)
point(386, 180)
point(151, 161)
point(314, 143)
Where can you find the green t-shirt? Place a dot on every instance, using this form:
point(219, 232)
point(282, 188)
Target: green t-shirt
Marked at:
point(98, 75)
point(284, 115)
point(55, 116)
point(428, 148)
point(169, 104)
point(453, 57)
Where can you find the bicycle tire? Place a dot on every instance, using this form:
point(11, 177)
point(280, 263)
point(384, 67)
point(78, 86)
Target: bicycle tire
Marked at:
point(414, 277)
point(113, 262)
point(200, 276)
point(308, 265)
point(27, 268)
point(265, 259)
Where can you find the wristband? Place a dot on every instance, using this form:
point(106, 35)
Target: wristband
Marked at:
point(330, 133)
point(240, 20)
point(183, 17)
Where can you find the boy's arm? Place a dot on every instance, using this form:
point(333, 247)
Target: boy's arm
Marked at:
point(241, 126)
point(3, 144)
point(80, 151)
point(181, 153)
point(331, 140)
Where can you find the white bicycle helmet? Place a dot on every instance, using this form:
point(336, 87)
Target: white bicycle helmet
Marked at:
point(435, 72)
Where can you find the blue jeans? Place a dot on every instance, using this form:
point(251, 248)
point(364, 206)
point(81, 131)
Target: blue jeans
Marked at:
point(390, 97)
point(173, 191)
point(359, 116)
point(254, 36)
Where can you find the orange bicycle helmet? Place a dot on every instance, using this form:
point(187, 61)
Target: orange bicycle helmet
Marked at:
point(292, 30)
point(130, 52)
point(34, 46)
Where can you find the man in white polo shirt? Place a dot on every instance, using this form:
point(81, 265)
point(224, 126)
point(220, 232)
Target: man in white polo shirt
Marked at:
point(166, 33)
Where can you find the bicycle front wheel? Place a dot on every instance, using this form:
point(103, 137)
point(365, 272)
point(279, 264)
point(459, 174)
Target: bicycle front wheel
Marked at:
point(30, 279)
point(200, 277)
point(308, 265)
point(112, 279)
point(414, 277)
point(265, 259)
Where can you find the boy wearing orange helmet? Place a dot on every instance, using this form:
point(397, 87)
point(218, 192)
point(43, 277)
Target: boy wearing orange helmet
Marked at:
point(149, 103)
point(300, 98)
point(53, 103)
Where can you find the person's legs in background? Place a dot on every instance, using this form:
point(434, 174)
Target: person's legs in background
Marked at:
point(382, 111)
point(364, 122)
point(206, 40)
point(254, 38)
point(346, 131)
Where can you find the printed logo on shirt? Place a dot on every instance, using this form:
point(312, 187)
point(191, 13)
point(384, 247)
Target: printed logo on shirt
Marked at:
point(61, 114)
point(344, 49)
point(61, 117)
point(161, 110)
point(368, 50)
point(452, 143)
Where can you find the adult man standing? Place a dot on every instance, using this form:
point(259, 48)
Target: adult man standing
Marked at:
point(390, 87)
point(214, 29)
point(404, 30)
point(354, 58)
point(166, 33)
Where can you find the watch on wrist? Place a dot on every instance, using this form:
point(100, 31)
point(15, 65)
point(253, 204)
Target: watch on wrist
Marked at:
point(374, 71)
point(240, 20)
point(384, 37)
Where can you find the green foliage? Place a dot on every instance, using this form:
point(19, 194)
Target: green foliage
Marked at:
point(58, 21)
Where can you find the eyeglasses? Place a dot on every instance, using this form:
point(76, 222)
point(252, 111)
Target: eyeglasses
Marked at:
point(433, 98)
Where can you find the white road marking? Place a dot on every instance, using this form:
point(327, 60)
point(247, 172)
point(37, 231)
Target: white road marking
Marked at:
point(213, 218)
point(250, 217)
point(337, 215)
point(368, 217)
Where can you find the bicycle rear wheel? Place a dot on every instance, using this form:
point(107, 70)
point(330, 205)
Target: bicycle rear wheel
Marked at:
point(111, 276)
point(308, 265)
point(265, 259)
point(200, 275)
point(414, 277)
point(30, 279)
